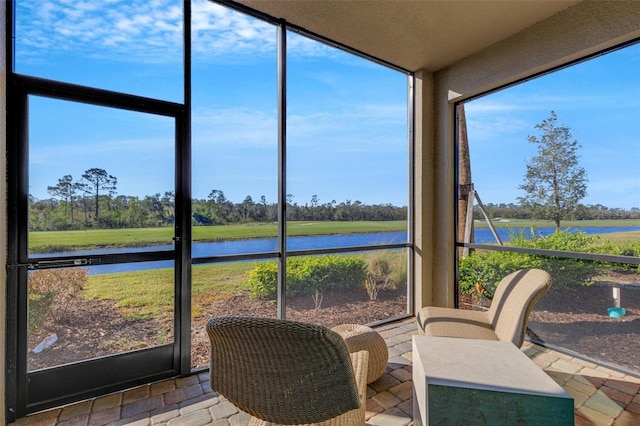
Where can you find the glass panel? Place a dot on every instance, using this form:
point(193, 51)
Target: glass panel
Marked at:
point(578, 313)
point(599, 318)
point(234, 132)
point(100, 179)
point(347, 155)
point(517, 137)
point(133, 47)
point(358, 288)
point(521, 141)
point(223, 289)
point(82, 313)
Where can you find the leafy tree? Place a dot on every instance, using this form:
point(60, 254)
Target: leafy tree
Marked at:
point(99, 180)
point(220, 207)
point(554, 182)
point(65, 190)
point(246, 208)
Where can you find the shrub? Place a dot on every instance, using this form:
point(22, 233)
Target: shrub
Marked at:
point(263, 279)
point(50, 291)
point(489, 267)
point(39, 307)
point(309, 275)
point(378, 274)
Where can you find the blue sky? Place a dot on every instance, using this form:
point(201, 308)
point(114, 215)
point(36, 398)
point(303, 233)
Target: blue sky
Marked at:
point(598, 99)
point(346, 116)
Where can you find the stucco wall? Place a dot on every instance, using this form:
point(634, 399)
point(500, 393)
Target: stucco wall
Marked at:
point(575, 33)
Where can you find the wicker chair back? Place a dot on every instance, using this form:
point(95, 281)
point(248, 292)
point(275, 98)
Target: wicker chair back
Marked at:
point(281, 371)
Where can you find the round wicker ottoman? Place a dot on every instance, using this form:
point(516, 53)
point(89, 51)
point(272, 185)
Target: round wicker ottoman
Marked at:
point(360, 337)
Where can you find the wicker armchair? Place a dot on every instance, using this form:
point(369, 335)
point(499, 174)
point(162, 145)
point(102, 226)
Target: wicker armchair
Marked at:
point(287, 372)
point(506, 318)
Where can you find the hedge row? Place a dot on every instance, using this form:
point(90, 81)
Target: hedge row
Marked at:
point(489, 267)
point(308, 274)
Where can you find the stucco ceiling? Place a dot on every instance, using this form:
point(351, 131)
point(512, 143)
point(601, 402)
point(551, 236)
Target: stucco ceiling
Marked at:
point(420, 34)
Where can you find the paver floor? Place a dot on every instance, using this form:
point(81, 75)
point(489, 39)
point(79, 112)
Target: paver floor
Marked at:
point(602, 396)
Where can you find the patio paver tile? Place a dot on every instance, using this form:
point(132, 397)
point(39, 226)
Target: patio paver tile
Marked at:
point(74, 410)
point(403, 391)
point(164, 414)
point(222, 410)
point(107, 401)
point(372, 409)
point(599, 394)
point(398, 361)
point(198, 403)
point(627, 418)
point(634, 407)
point(142, 406)
point(601, 403)
point(401, 374)
point(182, 394)
point(386, 399)
point(392, 418)
point(103, 417)
point(596, 418)
point(184, 382)
point(81, 420)
point(385, 382)
point(197, 418)
point(623, 399)
point(135, 394)
point(627, 387)
point(162, 387)
point(239, 419)
point(139, 420)
point(566, 366)
point(579, 386)
point(407, 407)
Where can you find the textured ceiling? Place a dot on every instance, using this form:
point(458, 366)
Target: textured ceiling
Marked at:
point(417, 34)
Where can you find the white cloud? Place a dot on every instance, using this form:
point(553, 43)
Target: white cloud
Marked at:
point(244, 127)
point(118, 30)
point(145, 31)
point(370, 127)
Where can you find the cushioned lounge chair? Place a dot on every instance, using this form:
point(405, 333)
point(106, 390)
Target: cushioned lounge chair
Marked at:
point(287, 372)
point(506, 318)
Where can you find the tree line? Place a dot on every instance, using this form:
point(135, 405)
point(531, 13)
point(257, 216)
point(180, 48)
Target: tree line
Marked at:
point(581, 212)
point(92, 202)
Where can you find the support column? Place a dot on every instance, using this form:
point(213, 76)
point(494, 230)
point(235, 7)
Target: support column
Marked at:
point(423, 188)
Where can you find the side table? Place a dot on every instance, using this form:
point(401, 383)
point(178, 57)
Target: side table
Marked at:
point(483, 382)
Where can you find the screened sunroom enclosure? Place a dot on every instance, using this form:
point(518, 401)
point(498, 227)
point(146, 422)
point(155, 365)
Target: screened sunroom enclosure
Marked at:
point(228, 164)
point(211, 125)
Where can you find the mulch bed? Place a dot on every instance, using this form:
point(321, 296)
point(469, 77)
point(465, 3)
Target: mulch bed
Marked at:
point(578, 319)
point(574, 319)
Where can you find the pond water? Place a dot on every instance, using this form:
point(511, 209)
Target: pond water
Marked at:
point(261, 245)
point(484, 235)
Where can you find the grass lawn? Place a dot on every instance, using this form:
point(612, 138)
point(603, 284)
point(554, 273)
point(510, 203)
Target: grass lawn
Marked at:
point(622, 237)
point(150, 293)
point(53, 241)
point(526, 223)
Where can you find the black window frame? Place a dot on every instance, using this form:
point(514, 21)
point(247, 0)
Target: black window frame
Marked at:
point(19, 87)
